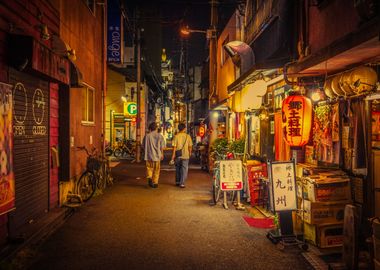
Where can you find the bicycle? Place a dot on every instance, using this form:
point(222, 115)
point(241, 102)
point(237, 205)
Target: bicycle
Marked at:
point(127, 148)
point(96, 176)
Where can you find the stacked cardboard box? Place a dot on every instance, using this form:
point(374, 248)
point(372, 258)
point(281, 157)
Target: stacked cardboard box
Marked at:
point(323, 198)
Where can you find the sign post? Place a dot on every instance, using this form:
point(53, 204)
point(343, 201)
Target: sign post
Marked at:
point(282, 177)
point(231, 179)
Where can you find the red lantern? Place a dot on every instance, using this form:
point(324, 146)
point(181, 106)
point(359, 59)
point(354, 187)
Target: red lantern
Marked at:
point(201, 131)
point(296, 120)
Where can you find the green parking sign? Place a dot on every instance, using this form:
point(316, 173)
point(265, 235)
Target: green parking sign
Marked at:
point(130, 108)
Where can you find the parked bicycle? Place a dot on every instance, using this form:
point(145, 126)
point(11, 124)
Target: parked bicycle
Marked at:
point(96, 176)
point(126, 149)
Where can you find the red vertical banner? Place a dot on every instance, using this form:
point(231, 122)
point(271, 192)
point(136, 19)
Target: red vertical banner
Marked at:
point(7, 181)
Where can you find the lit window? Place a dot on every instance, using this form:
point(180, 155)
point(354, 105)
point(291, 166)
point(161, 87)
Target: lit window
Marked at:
point(88, 102)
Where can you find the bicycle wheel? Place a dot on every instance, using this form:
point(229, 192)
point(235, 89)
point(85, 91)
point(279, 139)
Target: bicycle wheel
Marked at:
point(86, 186)
point(108, 151)
point(216, 189)
point(117, 153)
point(101, 177)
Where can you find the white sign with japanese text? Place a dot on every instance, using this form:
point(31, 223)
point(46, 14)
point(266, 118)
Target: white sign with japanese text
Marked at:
point(231, 175)
point(283, 181)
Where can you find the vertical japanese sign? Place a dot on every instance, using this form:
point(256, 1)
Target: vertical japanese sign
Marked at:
point(296, 120)
point(231, 175)
point(7, 182)
point(114, 32)
point(282, 177)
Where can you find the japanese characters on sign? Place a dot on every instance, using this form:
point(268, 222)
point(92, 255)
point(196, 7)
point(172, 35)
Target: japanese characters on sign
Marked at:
point(231, 175)
point(296, 120)
point(283, 184)
point(114, 33)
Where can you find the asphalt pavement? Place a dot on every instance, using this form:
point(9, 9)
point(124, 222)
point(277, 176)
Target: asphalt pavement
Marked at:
point(132, 226)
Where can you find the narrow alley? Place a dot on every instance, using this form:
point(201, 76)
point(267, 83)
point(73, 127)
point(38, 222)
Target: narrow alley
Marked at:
point(133, 226)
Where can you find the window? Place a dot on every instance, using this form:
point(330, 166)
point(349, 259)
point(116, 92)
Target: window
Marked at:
point(88, 105)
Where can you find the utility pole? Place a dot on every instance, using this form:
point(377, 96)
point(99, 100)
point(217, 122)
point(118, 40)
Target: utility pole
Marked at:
point(138, 120)
point(211, 33)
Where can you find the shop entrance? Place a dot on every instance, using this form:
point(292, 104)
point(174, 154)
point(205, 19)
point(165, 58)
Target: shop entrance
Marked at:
point(31, 149)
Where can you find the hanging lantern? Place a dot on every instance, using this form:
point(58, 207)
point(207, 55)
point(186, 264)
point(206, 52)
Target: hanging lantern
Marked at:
point(362, 79)
point(296, 120)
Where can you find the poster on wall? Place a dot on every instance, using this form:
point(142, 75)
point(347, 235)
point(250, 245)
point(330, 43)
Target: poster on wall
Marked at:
point(7, 182)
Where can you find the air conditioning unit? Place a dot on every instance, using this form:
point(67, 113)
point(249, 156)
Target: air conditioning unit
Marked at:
point(129, 56)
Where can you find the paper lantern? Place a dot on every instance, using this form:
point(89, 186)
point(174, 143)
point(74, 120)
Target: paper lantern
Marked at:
point(328, 90)
point(251, 96)
point(335, 86)
point(296, 120)
point(201, 131)
point(362, 79)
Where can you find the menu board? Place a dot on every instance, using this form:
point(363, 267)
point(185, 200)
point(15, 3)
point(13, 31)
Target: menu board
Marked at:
point(231, 175)
point(283, 179)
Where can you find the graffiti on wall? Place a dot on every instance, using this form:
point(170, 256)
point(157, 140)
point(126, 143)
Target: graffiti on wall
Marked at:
point(7, 184)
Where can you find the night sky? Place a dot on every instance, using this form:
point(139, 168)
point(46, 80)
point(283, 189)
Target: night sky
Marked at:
point(195, 14)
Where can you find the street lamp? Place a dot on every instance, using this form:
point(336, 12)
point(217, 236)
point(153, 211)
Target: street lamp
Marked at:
point(186, 31)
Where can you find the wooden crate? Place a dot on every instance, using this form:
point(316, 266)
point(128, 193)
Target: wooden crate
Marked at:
point(324, 236)
point(323, 212)
point(323, 188)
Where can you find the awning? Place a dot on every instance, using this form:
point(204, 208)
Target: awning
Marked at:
point(76, 76)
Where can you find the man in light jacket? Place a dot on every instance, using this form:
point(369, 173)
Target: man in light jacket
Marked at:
point(153, 154)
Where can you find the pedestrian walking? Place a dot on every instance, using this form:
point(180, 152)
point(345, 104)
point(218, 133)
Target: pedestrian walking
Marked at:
point(159, 130)
point(182, 146)
point(153, 154)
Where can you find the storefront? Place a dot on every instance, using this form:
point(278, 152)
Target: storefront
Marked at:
point(37, 90)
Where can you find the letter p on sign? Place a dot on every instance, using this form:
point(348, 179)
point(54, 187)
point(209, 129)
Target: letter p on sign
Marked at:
point(132, 108)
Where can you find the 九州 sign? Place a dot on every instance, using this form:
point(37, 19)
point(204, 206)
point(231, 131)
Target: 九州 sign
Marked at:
point(114, 30)
point(282, 176)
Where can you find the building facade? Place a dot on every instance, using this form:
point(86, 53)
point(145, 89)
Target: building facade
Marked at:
point(56, 82)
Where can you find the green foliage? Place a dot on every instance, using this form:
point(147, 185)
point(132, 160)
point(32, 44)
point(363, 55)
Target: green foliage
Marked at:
point(237, 146)
point(220, 145)
point(276, 221)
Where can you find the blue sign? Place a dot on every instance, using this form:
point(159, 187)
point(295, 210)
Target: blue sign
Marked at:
point(114, 29)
